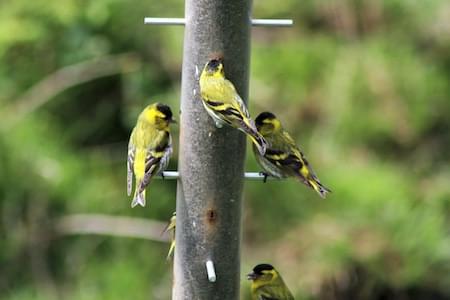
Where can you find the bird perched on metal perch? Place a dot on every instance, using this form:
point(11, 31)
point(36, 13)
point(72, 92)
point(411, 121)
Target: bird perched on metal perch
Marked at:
point(283, 158)
point(149, 149)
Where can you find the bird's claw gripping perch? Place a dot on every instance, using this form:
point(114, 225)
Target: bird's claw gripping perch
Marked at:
point(265, 176)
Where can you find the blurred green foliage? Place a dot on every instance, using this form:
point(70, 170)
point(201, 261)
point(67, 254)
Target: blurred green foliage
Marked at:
point(362, 85)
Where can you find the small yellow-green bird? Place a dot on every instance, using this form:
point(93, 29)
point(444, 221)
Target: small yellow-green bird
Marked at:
point(283, 158)
point(171, 227)
point(149, 149)
point(267, 284)
point(223, 103)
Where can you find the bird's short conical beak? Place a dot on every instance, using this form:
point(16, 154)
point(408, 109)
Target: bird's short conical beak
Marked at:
point(251, 276)
point(173, 121)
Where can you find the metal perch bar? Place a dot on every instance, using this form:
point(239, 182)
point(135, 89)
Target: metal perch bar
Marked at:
point(247, 175)
point(255, 22)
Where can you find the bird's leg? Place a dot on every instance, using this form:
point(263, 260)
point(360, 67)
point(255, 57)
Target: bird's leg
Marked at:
point(265, 176)
point(162, 175)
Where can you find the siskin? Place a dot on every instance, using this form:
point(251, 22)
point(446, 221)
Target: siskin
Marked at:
point(283, 158)
point(224, 105)
point(267, 284)
point(149, 149)
point(171, 227)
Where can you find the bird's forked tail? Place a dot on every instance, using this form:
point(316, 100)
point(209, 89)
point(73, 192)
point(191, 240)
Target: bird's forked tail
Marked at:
point(139, 196)
point(318, 187)
point(259, 141)
point(248, 127)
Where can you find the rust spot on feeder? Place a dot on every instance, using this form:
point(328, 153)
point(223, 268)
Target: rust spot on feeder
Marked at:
point(211, 216)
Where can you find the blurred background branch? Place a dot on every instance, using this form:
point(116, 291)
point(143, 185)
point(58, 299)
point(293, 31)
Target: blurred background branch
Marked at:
point(65, 78)
point(112, 226)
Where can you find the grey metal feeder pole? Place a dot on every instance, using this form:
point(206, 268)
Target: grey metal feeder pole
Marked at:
point(211, 160)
